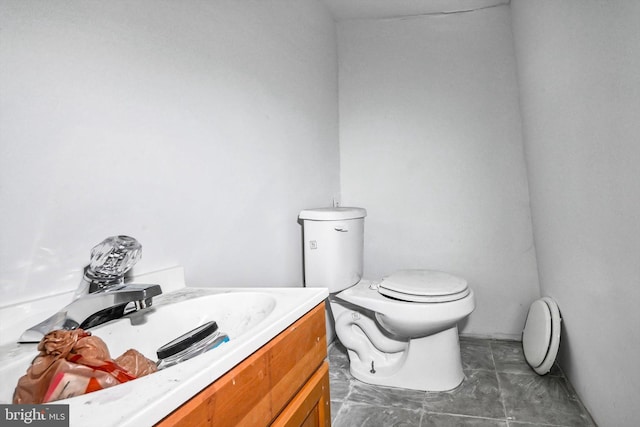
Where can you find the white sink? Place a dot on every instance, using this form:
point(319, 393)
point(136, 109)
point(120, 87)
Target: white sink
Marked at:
point(250, 316)
point(235, 313)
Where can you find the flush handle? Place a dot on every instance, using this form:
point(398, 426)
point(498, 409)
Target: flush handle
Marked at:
point(341, 229)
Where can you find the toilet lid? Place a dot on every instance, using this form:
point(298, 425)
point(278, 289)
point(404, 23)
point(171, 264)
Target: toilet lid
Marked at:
point(423, 286)
point(541, 335)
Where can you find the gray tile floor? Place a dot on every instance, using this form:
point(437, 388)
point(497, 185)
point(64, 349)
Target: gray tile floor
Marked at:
point(499, 390)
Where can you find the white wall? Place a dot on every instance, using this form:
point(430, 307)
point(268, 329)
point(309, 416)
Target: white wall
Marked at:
point(431, 146)
point(578, 63)
point(376, 9)
point(200, 128)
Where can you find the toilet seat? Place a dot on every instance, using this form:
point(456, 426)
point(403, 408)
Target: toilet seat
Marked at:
point(541, 335)
point(426, 286)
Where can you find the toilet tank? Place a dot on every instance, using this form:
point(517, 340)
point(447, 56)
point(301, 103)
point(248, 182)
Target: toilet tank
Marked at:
point(333, 247)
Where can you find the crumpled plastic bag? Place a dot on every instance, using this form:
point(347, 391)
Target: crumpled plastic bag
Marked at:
point(71, 363)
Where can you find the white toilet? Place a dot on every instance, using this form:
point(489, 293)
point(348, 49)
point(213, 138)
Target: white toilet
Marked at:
point(400, 331)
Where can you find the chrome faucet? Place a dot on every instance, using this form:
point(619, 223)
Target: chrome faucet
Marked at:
point(94, 309)
point(102, 295)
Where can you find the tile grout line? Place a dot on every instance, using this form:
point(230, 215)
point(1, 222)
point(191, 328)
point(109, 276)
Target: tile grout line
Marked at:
point(453, 414)
point(495, 370)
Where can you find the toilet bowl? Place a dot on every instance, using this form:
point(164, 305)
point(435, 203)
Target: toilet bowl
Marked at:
point(400, 331)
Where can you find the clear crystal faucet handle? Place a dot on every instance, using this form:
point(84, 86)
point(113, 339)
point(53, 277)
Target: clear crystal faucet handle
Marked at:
point(114, 256)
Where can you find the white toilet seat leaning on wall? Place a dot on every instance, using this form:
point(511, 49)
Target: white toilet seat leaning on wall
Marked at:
point(541, 335)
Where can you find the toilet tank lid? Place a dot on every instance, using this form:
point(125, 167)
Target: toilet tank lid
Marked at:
point(333, 214)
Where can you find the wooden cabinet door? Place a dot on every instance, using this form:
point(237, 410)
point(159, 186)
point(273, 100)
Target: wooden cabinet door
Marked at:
point(311, 407)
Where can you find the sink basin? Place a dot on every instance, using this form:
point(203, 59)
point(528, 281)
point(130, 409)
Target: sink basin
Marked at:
point(250, 316)
point(146, 331)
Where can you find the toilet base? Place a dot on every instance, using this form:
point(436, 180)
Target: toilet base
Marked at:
point(431, 363)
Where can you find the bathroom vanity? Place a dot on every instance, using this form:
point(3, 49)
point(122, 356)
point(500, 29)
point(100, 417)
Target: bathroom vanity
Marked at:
point(284, 383)
point(271, 372)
